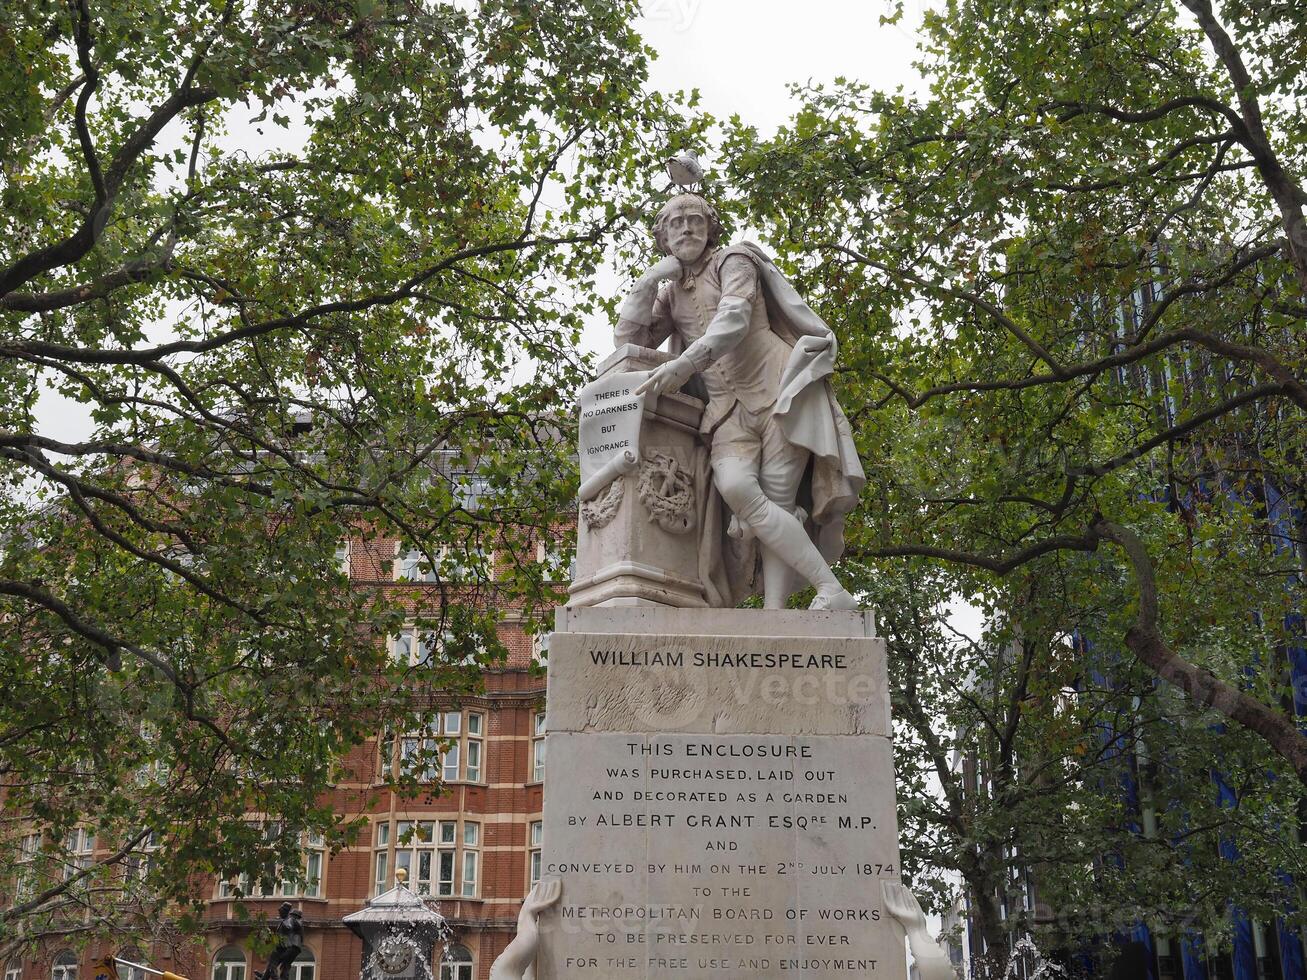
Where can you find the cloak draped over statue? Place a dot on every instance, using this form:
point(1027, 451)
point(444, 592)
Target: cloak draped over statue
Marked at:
point(809, 417)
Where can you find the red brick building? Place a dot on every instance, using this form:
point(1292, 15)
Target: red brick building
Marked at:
point(474, 847)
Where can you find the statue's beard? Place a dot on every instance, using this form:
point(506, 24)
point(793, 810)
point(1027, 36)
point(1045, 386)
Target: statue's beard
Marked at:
point(688, 252)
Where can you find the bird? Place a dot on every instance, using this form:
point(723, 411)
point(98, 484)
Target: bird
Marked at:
point(684, 168)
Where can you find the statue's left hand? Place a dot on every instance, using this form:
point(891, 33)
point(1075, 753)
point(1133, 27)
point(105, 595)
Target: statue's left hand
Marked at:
point(667, 377)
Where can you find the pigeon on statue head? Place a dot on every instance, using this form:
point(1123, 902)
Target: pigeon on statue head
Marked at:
point(685, 169)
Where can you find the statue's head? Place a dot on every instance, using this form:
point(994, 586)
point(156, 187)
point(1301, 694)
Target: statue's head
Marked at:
point(284, 910)
point(297, 913)
point(686, 226)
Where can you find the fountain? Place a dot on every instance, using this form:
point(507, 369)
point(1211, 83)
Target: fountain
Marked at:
point(399, 932)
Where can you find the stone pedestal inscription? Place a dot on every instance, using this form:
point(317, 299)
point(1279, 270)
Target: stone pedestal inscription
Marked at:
point(720, 799)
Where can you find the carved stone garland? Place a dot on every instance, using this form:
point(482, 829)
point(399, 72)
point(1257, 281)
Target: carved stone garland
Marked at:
point(667, 492)
point(600, 511)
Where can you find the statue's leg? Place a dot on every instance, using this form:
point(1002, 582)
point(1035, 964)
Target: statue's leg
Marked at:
point(776, 527)
point(779, 474)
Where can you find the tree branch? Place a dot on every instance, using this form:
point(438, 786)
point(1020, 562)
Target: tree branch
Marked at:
point(1145, 640)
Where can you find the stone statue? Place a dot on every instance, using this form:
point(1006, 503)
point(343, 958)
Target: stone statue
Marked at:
point(290, 940)
point(781, 450)
point(931, 960)
point(517, 961)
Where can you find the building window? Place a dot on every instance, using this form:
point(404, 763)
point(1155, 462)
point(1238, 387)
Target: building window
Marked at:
point(471, 858)
point(450, 748)
point(411, 566)
point(557, 564)
point(65, 966)
point(476, 723)
point(14, 971)
point(141, 862)
point(440, 857)
point(229, 964)
point(412, 648)
point(538, 747)
point(424, 648)
point(452, 565)
point(305, 966)
point(536, 837)
point(80, 846)
point(314, 850)
point(456, 964)
point(451, 727)
point(314, 857)
point(381, 860)
point(25, 883)
point(125, 972)
point(469, 564)
point(343, 558)
point(468, 488)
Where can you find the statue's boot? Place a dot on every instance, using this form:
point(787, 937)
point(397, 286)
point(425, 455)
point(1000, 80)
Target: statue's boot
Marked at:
point(840, 598)
point(780, 533)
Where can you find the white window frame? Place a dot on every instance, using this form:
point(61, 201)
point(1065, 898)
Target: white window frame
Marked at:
point(344, 558)
point(314, 849)
point(449, 849)
point(469, 874)
point(79, 851)
point(535, 835)
point(313, 856)
point(305, 966)
point(140, 862)
point(381, 858)
point(557, 566)
point(14, 970)
point(29, 849)
point(467, 487)
point(64, 966)
point(458, 969)
point(538, 731)
point(406, 567)
point(414, 647)
point(453, 744)
point(230, 966)
point(474, 747)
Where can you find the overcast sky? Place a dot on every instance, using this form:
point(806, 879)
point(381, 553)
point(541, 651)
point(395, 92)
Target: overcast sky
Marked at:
point(742, 54)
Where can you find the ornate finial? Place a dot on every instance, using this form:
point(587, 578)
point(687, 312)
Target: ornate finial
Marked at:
point(401, 876)
point(685, 169)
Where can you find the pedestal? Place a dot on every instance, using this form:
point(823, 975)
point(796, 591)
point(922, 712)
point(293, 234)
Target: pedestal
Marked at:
point(632, 548)
point(720, 800)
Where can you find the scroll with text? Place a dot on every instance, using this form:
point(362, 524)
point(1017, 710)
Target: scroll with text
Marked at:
point(609, 443)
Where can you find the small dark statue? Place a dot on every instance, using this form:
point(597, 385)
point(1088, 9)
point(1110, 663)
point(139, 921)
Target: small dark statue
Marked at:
point(290, 940)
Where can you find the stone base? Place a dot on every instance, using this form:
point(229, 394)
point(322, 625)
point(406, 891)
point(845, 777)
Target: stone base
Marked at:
point(629, 558)
point(720, 800)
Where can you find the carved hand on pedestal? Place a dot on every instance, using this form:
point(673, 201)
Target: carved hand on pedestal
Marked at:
point(517, 961)
point(667, 377)
point(932, 962)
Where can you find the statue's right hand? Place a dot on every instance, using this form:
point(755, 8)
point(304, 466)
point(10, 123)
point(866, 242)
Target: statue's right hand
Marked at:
point(668, 267)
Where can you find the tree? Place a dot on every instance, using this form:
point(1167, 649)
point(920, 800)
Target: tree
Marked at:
point(277, 351)
point(1071, 796)
point(1092, 235)
point(1069, 284)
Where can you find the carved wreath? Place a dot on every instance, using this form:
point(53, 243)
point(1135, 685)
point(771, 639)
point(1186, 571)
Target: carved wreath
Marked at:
point(600, 511)
point(667, 492)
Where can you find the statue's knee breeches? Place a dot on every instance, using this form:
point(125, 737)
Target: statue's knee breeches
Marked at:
point(736, 480)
